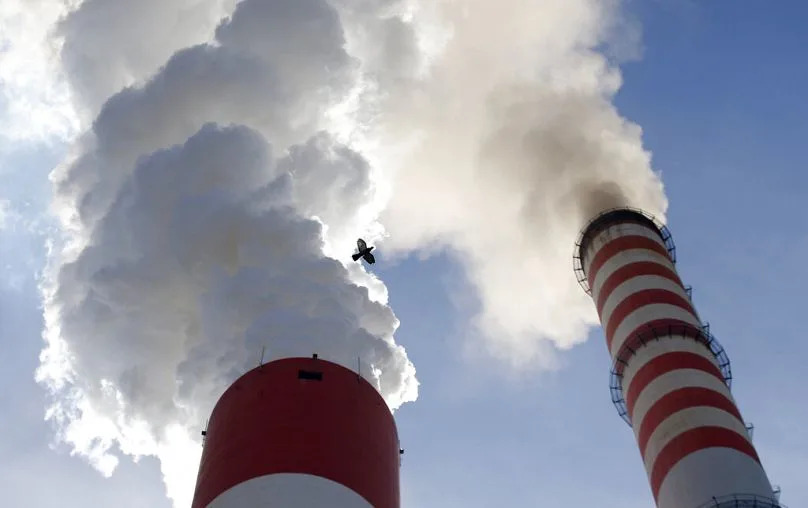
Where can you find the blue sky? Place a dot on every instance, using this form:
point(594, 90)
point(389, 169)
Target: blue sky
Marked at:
point(720, 95)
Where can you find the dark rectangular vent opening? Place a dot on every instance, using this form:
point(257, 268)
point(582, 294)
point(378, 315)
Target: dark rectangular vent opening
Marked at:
point(310, 374)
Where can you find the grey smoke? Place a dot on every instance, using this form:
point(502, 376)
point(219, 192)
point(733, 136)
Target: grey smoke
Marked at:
point(201, 260)
point(111, 44)
point(199, 211)
point(203, 248)
point(236, 79)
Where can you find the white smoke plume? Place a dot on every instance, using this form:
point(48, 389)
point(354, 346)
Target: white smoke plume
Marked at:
point(512, 144)
point(199, 262)
point(199, 210)
point(234, 151)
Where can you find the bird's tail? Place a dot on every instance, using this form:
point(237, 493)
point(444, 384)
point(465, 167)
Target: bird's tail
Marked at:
point(356, 256)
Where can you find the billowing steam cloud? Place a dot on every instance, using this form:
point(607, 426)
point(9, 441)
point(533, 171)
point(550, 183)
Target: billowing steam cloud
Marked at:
point(198, 263)
point(514, 145)
point(199, 211)
point(238, 148)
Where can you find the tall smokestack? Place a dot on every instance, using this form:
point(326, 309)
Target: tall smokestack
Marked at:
point(300, 432)
point(670, 377)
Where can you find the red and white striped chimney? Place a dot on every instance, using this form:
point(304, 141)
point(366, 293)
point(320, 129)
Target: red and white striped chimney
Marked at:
point(300, 432)
point(670, 378)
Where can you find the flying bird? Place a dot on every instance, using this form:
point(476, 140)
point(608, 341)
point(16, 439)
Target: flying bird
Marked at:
point(364, 252)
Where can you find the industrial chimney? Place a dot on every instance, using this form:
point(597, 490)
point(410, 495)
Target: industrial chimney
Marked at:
point(670, 377)
point(300, 432)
